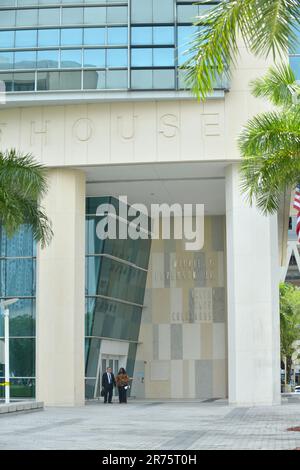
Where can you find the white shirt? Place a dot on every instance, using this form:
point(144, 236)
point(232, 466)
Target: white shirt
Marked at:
point(109, 377)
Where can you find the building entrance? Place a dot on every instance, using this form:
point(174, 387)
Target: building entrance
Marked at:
point(105, 361)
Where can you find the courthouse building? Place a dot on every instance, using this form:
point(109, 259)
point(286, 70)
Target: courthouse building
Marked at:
point(94, 92)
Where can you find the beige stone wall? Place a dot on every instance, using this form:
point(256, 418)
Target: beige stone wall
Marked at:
point(182, 350)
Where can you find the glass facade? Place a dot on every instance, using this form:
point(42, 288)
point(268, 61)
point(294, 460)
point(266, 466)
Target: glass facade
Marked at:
point(52, 45)
point(18, 279)
point(116, 274)
point(295, 57)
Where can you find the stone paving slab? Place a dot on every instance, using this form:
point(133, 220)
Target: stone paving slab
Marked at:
point(15, 407)
point(169, 425)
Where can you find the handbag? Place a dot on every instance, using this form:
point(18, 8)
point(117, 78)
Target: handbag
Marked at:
point(102, 393)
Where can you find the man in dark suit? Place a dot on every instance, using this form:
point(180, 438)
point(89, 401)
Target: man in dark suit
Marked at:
point(108, 384)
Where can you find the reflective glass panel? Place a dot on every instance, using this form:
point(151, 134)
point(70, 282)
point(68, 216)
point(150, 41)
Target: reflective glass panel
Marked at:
point(17, 277)
point(24, 81)
point(117, 36)
point(22, 357)
point(7, 78)
point(26, 38)
point(94, 36)
point(117, 57)
point(163, 57)
point(94, 58)
point(19, 245)
point(8, 18)
point(141, 35)
point(116, 79)
point(72, 16)
point(22, 318)
point(95, 15)
point(48, 37)
point(116, 14)
point(49, 17)
point(48, 59)
point(71, 58)
point(141, 57)
point(70, 80)
point(26, 17)
point(142, 79)
point(25, 60)
point(6, 39)
point(20, 388)
point(163, 79)
point(295, 64)
point(94, 80)
point(48, 81)
point(163, 35)
point(71, 37)
point(115, 320)
point(6, 60)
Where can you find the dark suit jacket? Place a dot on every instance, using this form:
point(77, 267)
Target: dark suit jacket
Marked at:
point(105, 383)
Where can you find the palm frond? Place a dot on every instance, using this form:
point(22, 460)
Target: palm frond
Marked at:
point(271, 132)
point(215, 46)
point(265, 26)
point(278, 85)
point(264, 178)
point(17, 210)
point(273, 30)
point(22, 171)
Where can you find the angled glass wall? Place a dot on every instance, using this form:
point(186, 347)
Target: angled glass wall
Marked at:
point(116, 274)
point(18, 279)
point(295, 57)
point(95, 45)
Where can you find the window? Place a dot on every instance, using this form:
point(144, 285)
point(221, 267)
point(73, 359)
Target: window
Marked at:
point(94, 36)
point(117, 57)
point(295, 64)
point(117, 36)
point(26, 38)
point(158, 57)
point(26, 17)
point(163, 35)
point(152, 11)
point(147, 35)
point(48, 37)
point(49, 16)
point(116, 79)
point(141, 35)
point(95, 15)
point(7, 18)
point(72, 16)
point(7, 39)
point(94, 80)
point(117, 15)
point(94, 58)
point(71, 37)
point(48, 59)
point(25, 60)
point(6, 60)
point(71, 58)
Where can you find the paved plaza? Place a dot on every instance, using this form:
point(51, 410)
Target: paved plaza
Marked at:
point(172, 425)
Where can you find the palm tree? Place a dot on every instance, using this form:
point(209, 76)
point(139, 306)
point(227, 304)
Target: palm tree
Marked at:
point(265, 26)
point(270, 142)
point(22, 185)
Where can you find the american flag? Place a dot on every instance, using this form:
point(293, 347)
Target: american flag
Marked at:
point(296, 206)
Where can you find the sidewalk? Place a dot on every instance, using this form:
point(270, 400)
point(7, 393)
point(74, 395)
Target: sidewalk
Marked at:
point(159, 425)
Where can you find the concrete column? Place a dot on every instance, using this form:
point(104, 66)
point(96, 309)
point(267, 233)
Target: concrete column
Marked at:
point(60, 293)
point(253, 300)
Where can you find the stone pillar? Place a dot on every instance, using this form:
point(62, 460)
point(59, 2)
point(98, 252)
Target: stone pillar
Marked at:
point(60, 293)
point(253, 300)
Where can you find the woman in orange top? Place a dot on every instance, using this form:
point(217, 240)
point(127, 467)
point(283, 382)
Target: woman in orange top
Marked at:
point(122, 381)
